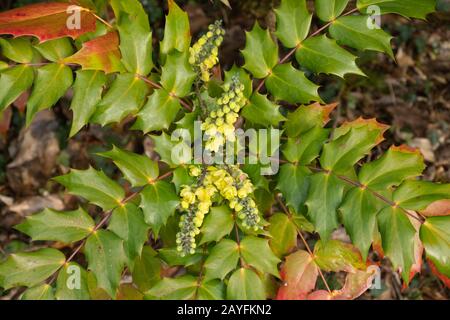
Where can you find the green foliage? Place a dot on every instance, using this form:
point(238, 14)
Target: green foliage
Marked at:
point(227, 229)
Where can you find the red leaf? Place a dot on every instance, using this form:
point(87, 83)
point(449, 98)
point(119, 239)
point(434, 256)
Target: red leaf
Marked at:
point(436, 272)
point(437, 208)
point(46, 21)
point(101, 53)
point(418, 249)
point(5, 121)
point(299, 274)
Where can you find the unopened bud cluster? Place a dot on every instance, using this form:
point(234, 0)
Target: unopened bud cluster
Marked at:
point(204, 53)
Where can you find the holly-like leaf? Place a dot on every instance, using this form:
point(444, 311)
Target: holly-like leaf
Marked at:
point(177, 75)
point(338, 256)
point(52, 82)
point(28, 269)
point(417, 195)
point(125, 97)
point(293, 22)
point(48, 21)
point(72, 283)
point(435, 235)
point(50, 225)
point(289, 84)
point(359, 214)
point(17, 49)
point(257, 253)
point(284, 234)
point(321, 54)
point(55, 50)
point(158, 113)
point(352, 141)
point(260, 52)
point(172, 257)
point(94, 186)
point(353, 31)
point(41, 292)
point(177, 34)
point(262, 111)
point(158, 201)
point(218, 223)
point(106, 259)
point(243, 77)
point(138, 169)
point(329, 10)
point(222, 260)
point(101, 53)
point(13, 82)
point(211, 290)
point(325, 196)
point(128, 223)
point(397, 234)
point(245, 284)
point(398, 164)
point(181, 288)
point(165, 146)
point(299, 274)
point(147, 269)
point(293, 182)
point(407, 8)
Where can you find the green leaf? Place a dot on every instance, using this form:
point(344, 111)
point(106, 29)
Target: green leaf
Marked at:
point(222, 260)
point(325, 196)
point(172, 257)
point(17, 49)
point(181, 288)
point(407, 8)
point(147, 269)
point(352, 141)
point(3, 65)
point(158, 201)
point(177, 75)
point(321, 54)
point(260, 52)
point(289, 84)
point(158, 113)
point(164, 146)
point(72, 283)
point(328, 10)
point(218, 223)
point(417, 195)
point(398, 164)
point(284, 234)
point(126, 96)
point(212, 290)
point(94, 186)
point(243, 77)
point(87, 90)
point(52, 82)
point(128, 223)
point(106, 259)
point(306, 118)
point(245, 284)
point(135, 36)
point(335, 256)
point(257, 253)
point(293, 182)
point(139, 170)
point(353, 31)
point(28, 269)
point(41, 292)
point(435, 235)
point(262, 111)
point(397, 237)
point(359, 214)
point(51, 225)
point(55, 50)
point(304, 149)
point(293, 22)
point(13, 82)
point(181, 177)
point(177, 30)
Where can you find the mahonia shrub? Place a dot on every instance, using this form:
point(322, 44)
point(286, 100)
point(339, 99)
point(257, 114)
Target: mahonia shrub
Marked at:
point(227, 230)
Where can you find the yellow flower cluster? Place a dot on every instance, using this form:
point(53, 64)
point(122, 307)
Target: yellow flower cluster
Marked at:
point(219, 125)
point(204, 53)
point(231, 184)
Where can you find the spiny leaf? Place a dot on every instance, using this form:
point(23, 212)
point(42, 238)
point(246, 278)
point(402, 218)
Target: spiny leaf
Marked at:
point(243, 77)
point(101, 53)
point(94, 186)
point(177, 75)
point(293, 182)
point(257, 253)
point(147, 269)
point(17, 49)
point(181, 288)
point(321, 54)
point(289, 84)
point(293, 22)
point(407, 8)
point(51, 225)
point(284, 234)
point(260, 52)
point(172, 257)
point(244, 284)
point(435, 235)
point(72, 283)
point(52, 82)
point(306, 118)
point(417, 195)
point(177, 34)
point(218, 223)
point(262, 111)
point(55, 50)
point(41, 292)
point(164, 146)
point(13, 82)
point(47, 21)
point(212, 290)
point(328, 10)
point(338, 256)
point(222, 260)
